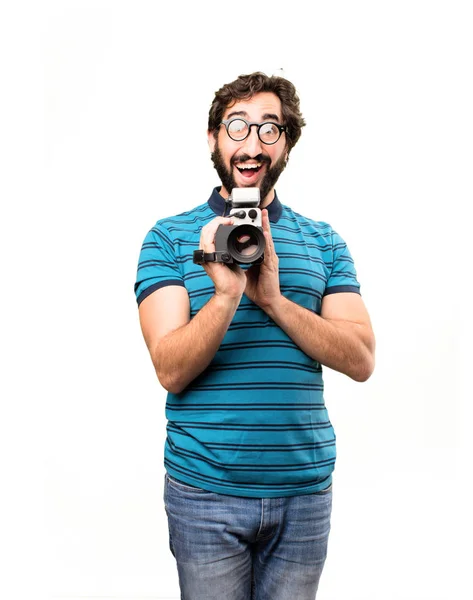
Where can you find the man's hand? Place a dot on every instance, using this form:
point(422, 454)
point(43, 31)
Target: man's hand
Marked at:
point(229, 280)
point(262, 281)
point(181, 348)
point(340, 338)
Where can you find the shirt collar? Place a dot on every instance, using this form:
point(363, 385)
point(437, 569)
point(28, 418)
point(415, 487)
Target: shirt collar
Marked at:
point(218, 205)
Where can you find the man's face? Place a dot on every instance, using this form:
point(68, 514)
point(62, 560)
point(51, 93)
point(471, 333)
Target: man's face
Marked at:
point(232, 159)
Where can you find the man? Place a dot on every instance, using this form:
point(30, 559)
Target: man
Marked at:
point(250, 449)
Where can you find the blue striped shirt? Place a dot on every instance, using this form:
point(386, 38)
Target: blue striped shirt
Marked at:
point(254, 423)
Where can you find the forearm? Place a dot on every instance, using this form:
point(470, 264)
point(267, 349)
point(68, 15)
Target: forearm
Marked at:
point(344, 346)
point(185, 352)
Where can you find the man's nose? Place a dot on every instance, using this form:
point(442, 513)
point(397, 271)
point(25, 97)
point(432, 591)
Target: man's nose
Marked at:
point(252, 144)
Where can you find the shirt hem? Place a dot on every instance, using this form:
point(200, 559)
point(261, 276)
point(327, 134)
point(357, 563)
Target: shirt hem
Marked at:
point(245, 493)
point(156, 286)
point(337, 289)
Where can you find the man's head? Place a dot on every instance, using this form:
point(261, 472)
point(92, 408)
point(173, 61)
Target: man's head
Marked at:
point(251, 161)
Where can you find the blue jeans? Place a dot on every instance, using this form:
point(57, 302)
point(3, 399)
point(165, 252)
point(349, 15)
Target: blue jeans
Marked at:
point(235, 548)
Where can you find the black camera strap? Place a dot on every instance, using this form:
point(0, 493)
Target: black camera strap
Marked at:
point(200, 257)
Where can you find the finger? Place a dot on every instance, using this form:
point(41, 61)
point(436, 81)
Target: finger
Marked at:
point(267, 232)
point(265, 219)
point(207, 235)
point(266, 224)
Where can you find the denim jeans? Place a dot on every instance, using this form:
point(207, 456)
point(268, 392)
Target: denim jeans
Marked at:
point(235, 548)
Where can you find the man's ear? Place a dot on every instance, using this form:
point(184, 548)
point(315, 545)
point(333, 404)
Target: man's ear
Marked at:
point(211, 140)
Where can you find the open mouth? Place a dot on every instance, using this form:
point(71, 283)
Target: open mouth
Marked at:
point(249, 170)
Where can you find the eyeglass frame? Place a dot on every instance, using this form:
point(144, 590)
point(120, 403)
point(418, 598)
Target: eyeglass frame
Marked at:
point(282, 129)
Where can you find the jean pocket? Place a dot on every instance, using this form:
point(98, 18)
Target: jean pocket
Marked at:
point(325, 491)
point(184, 487)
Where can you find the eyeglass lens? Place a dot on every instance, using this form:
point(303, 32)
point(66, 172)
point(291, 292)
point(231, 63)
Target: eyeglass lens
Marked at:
point(238, 130)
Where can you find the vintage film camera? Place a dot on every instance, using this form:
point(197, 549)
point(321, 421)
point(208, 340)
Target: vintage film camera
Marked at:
point(242, 243)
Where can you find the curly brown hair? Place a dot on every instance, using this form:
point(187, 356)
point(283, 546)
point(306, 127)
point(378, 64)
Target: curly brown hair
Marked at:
point(245, 87)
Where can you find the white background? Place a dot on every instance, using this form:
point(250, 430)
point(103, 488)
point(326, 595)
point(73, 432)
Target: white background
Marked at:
point(104, 109)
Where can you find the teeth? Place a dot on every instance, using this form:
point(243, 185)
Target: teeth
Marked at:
point(249, 166)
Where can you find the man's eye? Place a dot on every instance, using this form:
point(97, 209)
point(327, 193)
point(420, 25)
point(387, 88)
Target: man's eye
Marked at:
point(268, 129)
point(237, 126)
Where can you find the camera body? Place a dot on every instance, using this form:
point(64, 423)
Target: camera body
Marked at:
point(242, 243)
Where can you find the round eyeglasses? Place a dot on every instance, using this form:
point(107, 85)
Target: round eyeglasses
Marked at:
point(239, 129)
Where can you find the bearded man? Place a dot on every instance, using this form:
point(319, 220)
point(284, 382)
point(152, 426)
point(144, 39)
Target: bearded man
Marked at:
point(250, 449)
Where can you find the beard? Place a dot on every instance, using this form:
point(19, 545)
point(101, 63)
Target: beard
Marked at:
point(226, 176)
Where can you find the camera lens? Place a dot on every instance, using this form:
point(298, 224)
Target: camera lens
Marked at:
point(246, 244)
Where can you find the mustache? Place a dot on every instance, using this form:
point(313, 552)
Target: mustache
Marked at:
point(245, 157)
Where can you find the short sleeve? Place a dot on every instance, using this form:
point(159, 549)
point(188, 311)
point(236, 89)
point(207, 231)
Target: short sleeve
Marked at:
point(157, 264)
point(343, 274)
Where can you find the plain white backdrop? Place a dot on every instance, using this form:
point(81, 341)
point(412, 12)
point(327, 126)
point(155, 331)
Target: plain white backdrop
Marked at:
point(104, 109)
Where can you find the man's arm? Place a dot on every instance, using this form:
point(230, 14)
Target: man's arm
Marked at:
point(180, 347)
point(340, 338)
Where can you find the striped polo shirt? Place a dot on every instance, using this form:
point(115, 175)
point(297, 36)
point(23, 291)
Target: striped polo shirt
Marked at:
point(254, 423)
